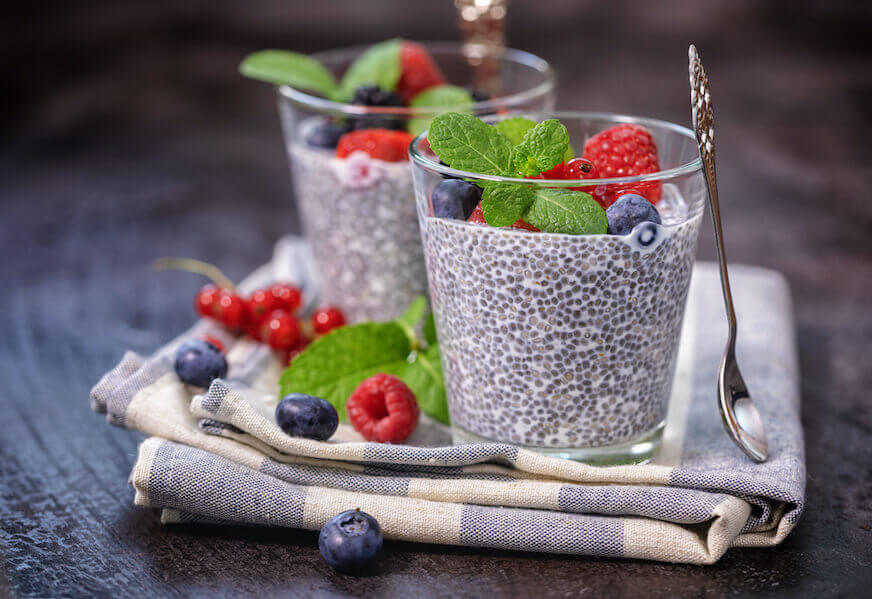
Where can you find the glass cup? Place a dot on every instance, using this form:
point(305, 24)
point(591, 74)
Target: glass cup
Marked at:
point(359, 213)
point(565, 344)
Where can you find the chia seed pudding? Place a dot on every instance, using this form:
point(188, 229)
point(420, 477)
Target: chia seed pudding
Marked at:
point(359, 215)
point(560, 341)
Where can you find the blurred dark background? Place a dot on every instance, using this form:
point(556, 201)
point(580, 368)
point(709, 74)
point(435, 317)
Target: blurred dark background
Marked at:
point(127, 134)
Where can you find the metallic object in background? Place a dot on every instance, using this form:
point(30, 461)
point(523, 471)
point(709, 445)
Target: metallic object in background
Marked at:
point(482, 26)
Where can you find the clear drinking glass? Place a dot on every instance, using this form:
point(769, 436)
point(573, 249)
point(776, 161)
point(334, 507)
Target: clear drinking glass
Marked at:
point(359, 213)
point(564, 343)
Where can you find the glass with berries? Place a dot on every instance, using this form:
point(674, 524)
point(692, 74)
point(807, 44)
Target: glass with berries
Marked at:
point(559, 251)
point(348, 116)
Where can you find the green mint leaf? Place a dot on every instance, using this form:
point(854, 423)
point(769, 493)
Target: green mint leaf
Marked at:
point(543, 147)
point(411, 317)
point(430, 330)
point(378, 65)
point(504, 203)
point(515, 128)
point(335, 364)
point(466, 143)
point(449, 96)
point(289, 68)
point(424, 377)
point(566, 211)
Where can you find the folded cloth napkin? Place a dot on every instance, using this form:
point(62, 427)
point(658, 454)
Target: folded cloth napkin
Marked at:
point(220, 457)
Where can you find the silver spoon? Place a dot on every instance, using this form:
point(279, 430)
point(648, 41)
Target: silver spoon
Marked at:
point(741, 418)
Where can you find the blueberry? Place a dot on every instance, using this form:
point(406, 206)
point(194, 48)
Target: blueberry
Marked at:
point(373, 95)
point(326, 135)
point(351, 541)
point(628, 211)
point(646, 234)
point(199, 362)
point(301, 415)
point(455, 198)
point(479, 96)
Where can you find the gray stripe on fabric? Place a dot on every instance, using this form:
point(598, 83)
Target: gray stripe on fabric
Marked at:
point(336, 479)
point(540, 530)
point(102, 391)
point(123, 394)
point(196, 481)
point(214, 397)
point(674, 505)
point(218, 428)
point(457, 455)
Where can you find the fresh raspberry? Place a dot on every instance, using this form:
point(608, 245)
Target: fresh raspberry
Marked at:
point(327, 318)
point(417, 71)
point(477, 218)
point(622, 151)
point(383, 409)
point(280, 330)
point(383, 144)
point(287, 297)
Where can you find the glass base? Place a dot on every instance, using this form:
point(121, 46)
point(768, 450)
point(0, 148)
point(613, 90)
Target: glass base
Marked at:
point(636, 451)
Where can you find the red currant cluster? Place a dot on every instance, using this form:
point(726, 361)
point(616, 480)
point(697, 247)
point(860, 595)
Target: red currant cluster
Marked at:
point(268, 315)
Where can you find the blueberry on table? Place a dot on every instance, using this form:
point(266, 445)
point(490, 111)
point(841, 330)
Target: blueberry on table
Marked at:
point(326, 135)
point(199, 362)
point(301, 415)
point(351, 541)
point(628, 211)
point(455, 198)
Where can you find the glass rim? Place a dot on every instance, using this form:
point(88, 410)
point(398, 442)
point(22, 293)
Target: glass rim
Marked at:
point(320, 104)
point(661, 175)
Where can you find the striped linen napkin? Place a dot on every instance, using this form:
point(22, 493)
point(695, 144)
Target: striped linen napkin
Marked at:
point(220, 457)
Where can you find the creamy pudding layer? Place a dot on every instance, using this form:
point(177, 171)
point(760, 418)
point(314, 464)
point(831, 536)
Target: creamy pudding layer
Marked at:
point(359, 215)
point(558, 340)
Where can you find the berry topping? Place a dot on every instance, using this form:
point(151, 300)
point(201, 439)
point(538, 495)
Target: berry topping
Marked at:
point(230, 310)
point(215, 342)
point(383, 409)
point(279, 330)
point(326, 135)
point(628, 211)
point(455, 198)
point(383, 144)
point(199, 363)
point(300, 415)
point(260, 304)
point(477, 217)
point(417, 71)
point(622, 151)
point(287, 297)
point(327, 318)
point(558, 172)
point(478, 95)
point(373, 95)
point(207, 299)
point(351, 541)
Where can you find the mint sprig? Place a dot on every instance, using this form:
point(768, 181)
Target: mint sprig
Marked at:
point(282, 67)
point(334, 365)
point(437, 96)
point(542, 148)
point(378, 65)
point(517, 147)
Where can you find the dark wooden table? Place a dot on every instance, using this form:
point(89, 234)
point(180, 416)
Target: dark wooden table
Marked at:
point(128, 135)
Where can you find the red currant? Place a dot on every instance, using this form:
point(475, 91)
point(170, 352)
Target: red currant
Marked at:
point(206, 300)
point(261, 303)
point(280, 330)
point(327, 318)
point(558, 172)
point(214, 341)
point(288, 297)
point(230, 310)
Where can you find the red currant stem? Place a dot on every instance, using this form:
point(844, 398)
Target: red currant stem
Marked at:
point(196, 266)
